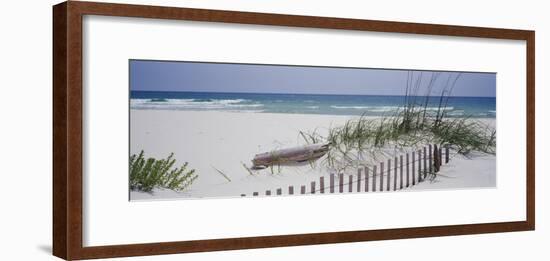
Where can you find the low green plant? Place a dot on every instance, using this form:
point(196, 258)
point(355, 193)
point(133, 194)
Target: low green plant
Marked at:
point(147, 174)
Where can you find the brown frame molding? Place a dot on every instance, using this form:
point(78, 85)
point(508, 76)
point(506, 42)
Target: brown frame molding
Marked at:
point(67, 129)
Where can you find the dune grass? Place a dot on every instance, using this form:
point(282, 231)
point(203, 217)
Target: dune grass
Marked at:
point(411, 125)
point(147, 174)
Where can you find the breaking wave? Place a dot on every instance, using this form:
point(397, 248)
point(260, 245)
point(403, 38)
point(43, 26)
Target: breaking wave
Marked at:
point(388, 108)
point(190, 104)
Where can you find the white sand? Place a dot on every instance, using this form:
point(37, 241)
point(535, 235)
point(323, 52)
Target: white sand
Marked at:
point(211, 140)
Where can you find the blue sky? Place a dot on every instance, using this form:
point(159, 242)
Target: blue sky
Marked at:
point(223, 77)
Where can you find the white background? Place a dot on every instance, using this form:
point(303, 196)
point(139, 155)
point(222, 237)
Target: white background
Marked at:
point(109, 218)
point(25, 133)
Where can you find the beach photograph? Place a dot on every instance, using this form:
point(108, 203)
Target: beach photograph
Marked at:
point(202, 130)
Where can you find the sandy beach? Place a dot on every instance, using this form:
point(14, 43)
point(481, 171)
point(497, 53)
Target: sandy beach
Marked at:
point(215, 141)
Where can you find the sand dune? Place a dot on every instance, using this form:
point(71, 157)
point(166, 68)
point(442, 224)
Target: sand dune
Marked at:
point(223, 141)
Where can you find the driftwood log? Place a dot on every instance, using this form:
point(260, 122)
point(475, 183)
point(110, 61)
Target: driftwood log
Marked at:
point(290, 155)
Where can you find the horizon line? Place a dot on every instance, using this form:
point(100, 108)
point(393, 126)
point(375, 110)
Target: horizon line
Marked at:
point(327, 94)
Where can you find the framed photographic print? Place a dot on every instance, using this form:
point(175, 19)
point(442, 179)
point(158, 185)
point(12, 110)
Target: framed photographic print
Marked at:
point(186, 130)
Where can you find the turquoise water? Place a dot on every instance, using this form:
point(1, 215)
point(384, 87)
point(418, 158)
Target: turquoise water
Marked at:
point(371, 105)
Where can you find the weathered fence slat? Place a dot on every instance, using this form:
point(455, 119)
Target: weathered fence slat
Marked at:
point(290, 190)
point(407, 165)
point(446, 154)
point(381, 176)
point(430, 158)
point(322, 184)
point(313, 187)
point(350, 183)
point(437, 159)
point(425, 163)
point(374, 178)
point(395, 178)
point(255, 194)
point(341, 183)
point(440, 156)
point(366, 179)
point(419, 166)
point(303, 189)
point(389, 176)
point(400, 171)
point(413, 164)
point(359, 180)
point(268, 192)
point(331, 183)
point(279, 191)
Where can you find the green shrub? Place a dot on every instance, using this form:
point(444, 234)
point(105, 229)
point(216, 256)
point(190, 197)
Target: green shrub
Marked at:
point(146, 174)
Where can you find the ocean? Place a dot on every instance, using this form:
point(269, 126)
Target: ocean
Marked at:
point(370, 105)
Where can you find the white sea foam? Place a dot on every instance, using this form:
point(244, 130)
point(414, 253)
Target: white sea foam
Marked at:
point(435, 109)
point(350, 107)
point(206, 104)
point(245, 105)
point(384, 108)
point(456, 113)
point(389, 108)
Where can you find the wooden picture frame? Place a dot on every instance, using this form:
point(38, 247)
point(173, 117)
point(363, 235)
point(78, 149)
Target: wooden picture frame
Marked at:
point(68, 145)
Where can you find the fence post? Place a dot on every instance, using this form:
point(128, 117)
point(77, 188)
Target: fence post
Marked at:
point(331, 183)
point(400, 171)
point(303, 190)
point(440, 156)
point(430, 157)
point(313, 187)
point(381, 176)
point(243, 195)
point(389, 175)
point(374, 178)
point(255, 194)
point(437, 159)
point(413, 164)
point(268, 192)
point(290, 190)
point(407, 165)
point(322, 184)
point(341, 183)
point(395, 175)
point(279, 191)
point(419, 166)
point(350, 183)
point(425, 163)
point(366, 179)
point(359, 180)
point(446, 153)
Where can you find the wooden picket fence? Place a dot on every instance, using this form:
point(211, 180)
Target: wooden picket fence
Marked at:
point(407, 170)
